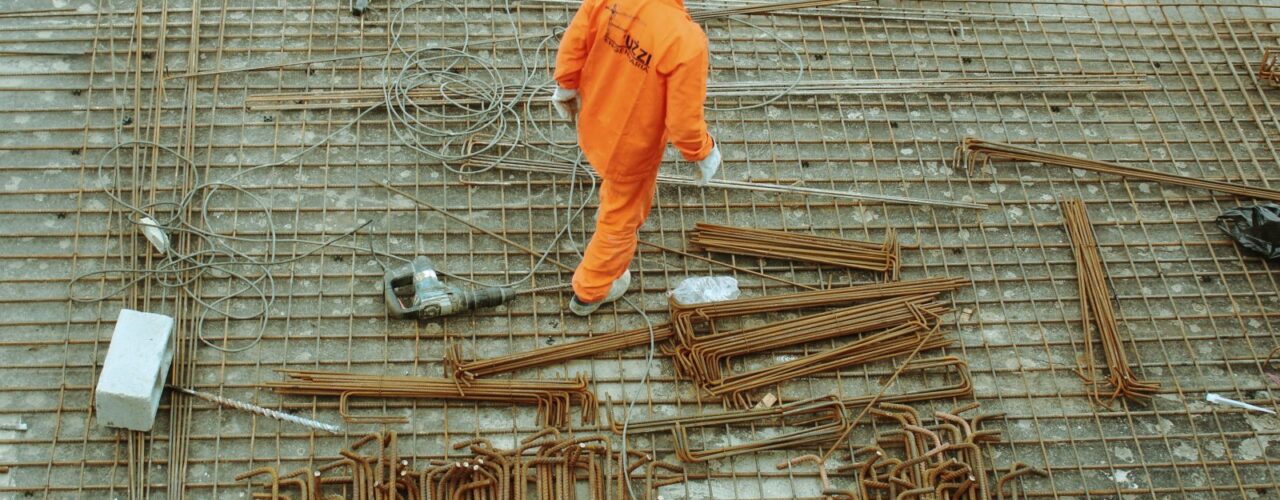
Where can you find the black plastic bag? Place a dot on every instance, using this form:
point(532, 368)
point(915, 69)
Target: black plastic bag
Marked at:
point(1255, 227)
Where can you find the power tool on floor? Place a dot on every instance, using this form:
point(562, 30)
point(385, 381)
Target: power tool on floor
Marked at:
point(414, 291)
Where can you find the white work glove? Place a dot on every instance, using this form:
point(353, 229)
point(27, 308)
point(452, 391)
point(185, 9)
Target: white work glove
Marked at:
point(565, 101)
point(708, 166)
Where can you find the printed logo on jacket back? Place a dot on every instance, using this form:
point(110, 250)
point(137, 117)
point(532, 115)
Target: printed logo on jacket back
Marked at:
point(621, 40)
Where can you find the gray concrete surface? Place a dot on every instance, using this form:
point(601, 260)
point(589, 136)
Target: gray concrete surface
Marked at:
point(1201, 315)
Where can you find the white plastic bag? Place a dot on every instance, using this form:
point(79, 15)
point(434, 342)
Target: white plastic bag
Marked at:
point(706, 289)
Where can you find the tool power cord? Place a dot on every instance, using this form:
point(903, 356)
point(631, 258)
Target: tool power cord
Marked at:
point(221, 253)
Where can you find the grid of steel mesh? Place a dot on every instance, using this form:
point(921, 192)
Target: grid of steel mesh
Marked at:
point(1198, 314)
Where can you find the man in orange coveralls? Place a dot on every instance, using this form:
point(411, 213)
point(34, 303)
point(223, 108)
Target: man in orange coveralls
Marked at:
point(638, 68)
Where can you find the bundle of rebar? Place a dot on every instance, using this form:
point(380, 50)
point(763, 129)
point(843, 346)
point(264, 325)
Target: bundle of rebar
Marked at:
point(816, 421)
point(706, 359)
point(973, 152)
point(1269, 70)
point(896, 319)
point(1101, 82)
point(552, 397)
point(853, 254)
point(688, 320)
point(1096, 309)
point(485, 162)
point(356, 475)
point(766, 414)
point(469, 370)
point(545, 465)
point(917, 460)
point(703, 353)
point(555, 466)
point(948, 367)
point(880, 346)
point(945, 366)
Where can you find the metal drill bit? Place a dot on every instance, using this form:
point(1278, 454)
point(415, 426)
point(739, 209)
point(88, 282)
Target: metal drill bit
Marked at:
point(266, 412)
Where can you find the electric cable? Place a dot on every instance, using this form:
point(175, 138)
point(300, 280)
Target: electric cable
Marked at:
point(429, 131)
point(218, 255)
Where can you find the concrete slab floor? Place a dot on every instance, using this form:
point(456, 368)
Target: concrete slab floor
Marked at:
point(79, 77)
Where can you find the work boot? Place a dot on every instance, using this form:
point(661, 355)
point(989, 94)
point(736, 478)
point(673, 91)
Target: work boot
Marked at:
point(616, 290)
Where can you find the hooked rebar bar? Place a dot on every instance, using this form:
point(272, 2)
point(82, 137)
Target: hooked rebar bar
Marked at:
point(1096, 309)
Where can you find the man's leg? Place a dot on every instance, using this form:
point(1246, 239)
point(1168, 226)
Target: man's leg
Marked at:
point(623, 209)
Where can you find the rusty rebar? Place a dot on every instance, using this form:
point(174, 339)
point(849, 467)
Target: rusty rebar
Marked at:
point(688, 320)
point(456, 367)
point(974, 151)
point(1097, 310)
point(885, 328)
point(1269, 69)
point(820, 422)
point(548, 464)
point(853, 254)
point(1018, 469)
point(884, 345)
point(938, 460)
point(552, 397)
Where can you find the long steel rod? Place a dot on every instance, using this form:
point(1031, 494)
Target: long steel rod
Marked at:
point(486, 162)
point(1106, 82)
point(974, 151)
point(362, 55)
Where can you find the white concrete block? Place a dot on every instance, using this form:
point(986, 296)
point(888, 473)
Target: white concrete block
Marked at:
point(135, 370)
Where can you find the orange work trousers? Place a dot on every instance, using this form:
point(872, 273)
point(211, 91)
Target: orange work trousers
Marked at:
point(624, 206)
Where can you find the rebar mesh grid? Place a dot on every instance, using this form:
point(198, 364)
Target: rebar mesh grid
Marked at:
point(1199, 314)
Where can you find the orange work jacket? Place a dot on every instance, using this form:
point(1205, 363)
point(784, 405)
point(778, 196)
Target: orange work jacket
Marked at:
point(640, 68)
